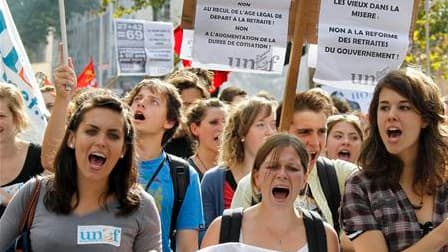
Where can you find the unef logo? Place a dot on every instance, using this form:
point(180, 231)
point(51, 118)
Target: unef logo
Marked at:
point(99, 235)
point(265, 61)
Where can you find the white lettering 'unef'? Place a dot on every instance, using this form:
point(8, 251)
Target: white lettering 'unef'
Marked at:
point(99, 235)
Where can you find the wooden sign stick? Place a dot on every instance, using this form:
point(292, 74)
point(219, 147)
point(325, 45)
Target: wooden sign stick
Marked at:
point(298, 40)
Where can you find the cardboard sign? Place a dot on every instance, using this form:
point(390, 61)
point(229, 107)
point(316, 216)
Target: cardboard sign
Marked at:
point(311, 9)
point(351, 32)
point(249, 36)
point(143, 48)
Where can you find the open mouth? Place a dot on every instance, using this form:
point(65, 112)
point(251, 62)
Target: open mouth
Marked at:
point(97, 160)
point(280, 192)
point(393, 133)
point(344, 155)
point(313, 155)
point(139, 116)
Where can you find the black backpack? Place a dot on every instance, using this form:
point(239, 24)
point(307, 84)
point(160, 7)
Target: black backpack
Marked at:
point(180, 174)
point(314, 227)
point(329, 181)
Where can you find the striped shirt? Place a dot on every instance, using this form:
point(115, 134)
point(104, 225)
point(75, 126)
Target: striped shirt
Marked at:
point(366, 206)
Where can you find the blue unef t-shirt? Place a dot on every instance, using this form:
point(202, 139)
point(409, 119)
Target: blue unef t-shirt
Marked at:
point(190, 214)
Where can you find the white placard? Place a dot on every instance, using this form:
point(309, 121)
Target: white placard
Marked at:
point(187, 45)
point(143, 47)
point(242, 36)
point(360, 41)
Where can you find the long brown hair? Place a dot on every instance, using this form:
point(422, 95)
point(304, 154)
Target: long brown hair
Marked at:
point(123, 178)
point(432, 157)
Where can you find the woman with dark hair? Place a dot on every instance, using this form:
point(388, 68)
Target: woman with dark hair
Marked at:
point(93, 202)
point(205, 124)
point(399, 200)
point(279, 173)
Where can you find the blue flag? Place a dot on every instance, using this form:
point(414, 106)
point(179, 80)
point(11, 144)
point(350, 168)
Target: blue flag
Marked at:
point(15, 69)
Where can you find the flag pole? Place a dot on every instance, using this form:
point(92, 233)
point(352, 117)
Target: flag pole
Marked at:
point(64, 37)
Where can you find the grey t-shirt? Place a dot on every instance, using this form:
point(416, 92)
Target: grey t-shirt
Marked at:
point(97, 231)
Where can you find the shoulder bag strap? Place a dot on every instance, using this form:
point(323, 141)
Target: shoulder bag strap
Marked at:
point(28, 216)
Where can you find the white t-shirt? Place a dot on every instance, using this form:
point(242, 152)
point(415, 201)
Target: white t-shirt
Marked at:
point(241, 247)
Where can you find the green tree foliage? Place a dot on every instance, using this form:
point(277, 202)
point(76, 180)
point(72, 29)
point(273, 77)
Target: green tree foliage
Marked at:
point(438, 39)
point(35, 18)
point(121, 10)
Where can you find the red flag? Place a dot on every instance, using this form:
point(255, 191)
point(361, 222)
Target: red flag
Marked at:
point(87, 77)
point(219, 78)
point(178, 35)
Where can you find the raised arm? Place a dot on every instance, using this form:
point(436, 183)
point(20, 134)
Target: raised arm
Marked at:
point(64, 76)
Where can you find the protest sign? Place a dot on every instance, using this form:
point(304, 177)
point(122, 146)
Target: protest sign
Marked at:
point(187, 45)
point(249, 36)
point(303, 19)
point(309, 29)
point(143, 47)
point(358, 100)
point(360, 41)
point(15, 69)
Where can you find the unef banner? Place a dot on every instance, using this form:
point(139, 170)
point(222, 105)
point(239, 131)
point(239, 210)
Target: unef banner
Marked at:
point(360, 41)
point(242, 36)
point(143, 47)
point(15, 69)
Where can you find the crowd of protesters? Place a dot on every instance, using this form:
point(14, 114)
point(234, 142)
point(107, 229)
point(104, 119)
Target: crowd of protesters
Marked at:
point(156, 170)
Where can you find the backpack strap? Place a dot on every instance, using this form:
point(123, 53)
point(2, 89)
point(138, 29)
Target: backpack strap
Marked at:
point(180, 174)
point(231, 225)
point(315, 232)
point(254, 201)
point(329, 182)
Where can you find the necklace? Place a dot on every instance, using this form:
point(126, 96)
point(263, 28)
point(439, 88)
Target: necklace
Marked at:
point(202, 163)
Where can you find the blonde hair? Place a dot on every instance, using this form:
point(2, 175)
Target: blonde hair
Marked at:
point(16, 105)
point(237, 126)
